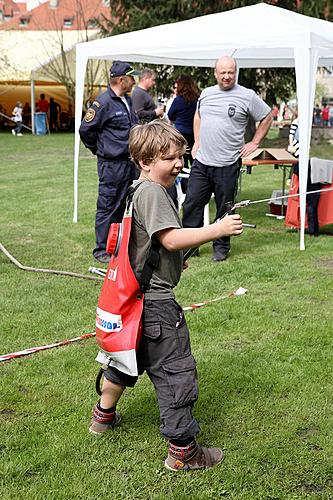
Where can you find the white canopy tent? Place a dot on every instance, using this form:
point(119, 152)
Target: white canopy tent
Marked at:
point(257, 36)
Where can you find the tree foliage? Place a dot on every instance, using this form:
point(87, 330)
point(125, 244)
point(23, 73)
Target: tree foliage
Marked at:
point(61, 68)
point(271, 83)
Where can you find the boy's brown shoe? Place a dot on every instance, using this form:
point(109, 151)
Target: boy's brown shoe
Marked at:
point(102, 422)
point(192, 456)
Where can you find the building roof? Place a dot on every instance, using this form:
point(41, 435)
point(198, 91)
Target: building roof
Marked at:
point(55, 15)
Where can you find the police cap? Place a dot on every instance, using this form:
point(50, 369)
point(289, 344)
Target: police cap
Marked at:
point(120, 68)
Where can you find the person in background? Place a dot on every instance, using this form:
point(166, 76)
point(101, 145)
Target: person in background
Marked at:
point(71, 118)
point(105, 130)
point(181, 114)
point(287, 113)
point(293, 139)
point(170, 100)
point(26, 114)
point(275, 112)
point(330, 115)
point(147, 110)
point(312, 199)
point(325, 115)
point(55, 109)
point(316, 115)
point(2, 112)
point(220, 122)
point(17, 117)
point(143, 102)
point(43, 104)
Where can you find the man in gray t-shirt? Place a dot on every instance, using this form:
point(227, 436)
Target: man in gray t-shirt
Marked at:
point(220, 121)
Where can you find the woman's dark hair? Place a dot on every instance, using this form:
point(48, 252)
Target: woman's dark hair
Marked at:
point(187, 88)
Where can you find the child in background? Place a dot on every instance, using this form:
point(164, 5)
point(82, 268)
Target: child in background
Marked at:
point(164, 352)
point(17, 117)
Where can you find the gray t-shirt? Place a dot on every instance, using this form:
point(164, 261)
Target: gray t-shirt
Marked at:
point(153, 211)
point(143, 104)
point(224, 115)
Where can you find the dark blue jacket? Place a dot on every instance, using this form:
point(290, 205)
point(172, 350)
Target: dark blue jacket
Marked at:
point(182, 114)
point(105, 128)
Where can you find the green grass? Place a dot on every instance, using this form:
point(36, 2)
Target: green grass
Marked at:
point(264, 359)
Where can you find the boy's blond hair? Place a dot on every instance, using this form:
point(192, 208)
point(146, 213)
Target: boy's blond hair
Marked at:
point(154, 140)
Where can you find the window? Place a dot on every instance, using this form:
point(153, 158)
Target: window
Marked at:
point(24, 21)
point(92, 23)
point(68, 22)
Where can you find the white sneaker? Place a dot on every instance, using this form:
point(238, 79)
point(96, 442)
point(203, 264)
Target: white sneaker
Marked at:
point(13, 132)
point(19, 135)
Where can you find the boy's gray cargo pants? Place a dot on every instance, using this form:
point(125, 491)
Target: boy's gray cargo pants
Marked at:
point(165, 354)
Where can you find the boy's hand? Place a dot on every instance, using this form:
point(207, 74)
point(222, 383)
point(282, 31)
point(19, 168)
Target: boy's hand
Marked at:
point(230, 225)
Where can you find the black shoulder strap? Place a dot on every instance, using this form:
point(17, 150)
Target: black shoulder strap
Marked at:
point(153, 258)
point(130, 193)
point(152, 262)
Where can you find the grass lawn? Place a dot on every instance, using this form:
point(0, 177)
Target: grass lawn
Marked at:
point(265, 360)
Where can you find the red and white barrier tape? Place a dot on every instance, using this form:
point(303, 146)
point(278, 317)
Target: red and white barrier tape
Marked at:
point(31, 350)
point(239, 291)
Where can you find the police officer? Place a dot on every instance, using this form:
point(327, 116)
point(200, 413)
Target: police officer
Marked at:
point(105, 130)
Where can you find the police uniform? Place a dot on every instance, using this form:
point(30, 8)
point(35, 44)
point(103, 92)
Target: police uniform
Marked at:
point(105, 131)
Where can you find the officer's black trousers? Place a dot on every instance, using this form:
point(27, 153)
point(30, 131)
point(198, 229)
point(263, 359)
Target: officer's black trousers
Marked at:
point(205, 180)
point(115, 177)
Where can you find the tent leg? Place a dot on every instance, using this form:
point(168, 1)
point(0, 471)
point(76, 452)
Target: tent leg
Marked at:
point(33, 100)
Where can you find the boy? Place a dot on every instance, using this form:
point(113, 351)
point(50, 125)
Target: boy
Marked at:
point(164, 352)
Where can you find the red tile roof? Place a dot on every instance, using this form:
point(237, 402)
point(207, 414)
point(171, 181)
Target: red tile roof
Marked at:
point(67, 15)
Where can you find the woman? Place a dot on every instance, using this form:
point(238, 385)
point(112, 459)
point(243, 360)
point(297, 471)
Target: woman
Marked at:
point(181, 114)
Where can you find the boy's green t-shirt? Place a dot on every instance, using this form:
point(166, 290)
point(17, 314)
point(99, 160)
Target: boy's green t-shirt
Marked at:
point(153, 211)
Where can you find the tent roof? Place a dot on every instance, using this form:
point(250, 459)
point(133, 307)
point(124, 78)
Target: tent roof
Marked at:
point(257, 36)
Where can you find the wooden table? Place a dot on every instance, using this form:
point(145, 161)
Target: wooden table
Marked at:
point(280, 158)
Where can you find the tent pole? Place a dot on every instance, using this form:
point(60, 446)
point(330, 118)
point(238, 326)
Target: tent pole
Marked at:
point(32, 103)
point(81, 65)
point(306, 61)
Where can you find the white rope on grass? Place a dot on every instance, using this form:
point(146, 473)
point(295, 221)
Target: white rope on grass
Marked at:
point(50, 271)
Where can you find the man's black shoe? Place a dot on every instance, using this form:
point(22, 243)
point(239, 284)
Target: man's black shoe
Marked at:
point(220, 256)
point(104, 258)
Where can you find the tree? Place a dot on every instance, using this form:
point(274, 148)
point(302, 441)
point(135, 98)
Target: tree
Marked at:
point(62, 67)
point(322, 9)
